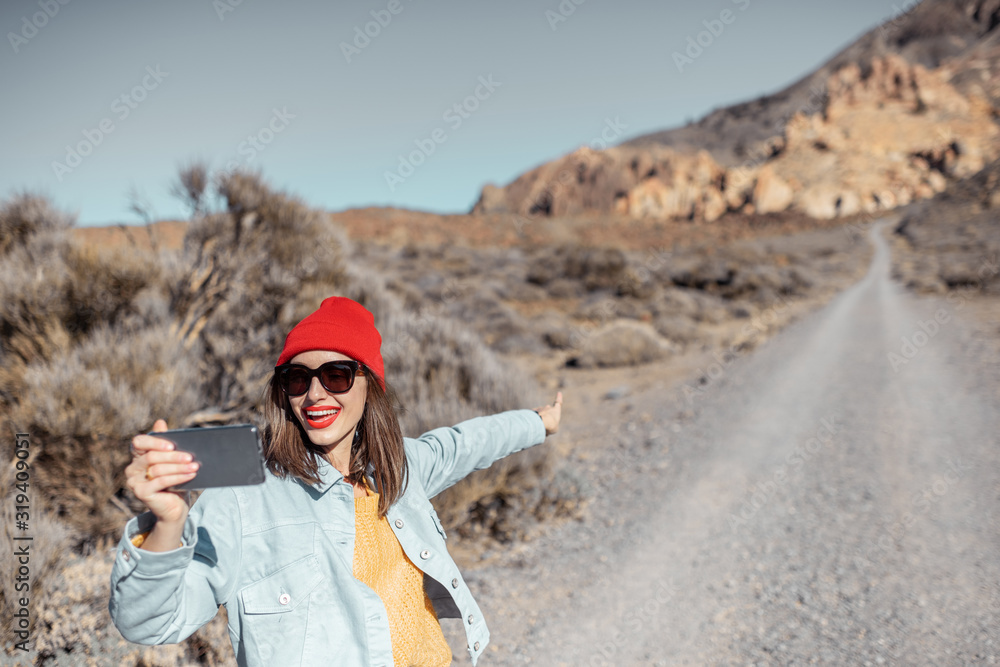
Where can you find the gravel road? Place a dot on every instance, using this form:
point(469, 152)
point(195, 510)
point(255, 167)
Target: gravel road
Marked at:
point(831, 498)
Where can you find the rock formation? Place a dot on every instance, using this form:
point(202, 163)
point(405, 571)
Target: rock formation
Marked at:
point(870, 134)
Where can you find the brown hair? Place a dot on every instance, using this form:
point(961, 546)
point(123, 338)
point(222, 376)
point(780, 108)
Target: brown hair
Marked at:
point(379, 441)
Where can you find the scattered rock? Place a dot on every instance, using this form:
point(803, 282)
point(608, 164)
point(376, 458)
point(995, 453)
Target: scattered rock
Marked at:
point(617, 392)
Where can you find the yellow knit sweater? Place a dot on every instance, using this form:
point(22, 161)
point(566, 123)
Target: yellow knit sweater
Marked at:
point(379, 562)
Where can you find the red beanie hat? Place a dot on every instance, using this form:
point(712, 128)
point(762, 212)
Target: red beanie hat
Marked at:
point(340, 325)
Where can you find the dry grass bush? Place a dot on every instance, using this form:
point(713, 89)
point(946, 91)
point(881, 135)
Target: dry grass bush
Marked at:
point(501, 514)
point(683, 302)
point(623, 343)
point(501, 326)
point(54, 291)
point(34, 316)
point(107, 282)
point(255, 270)
point(738, 274)
point(112, 383)
point(85, 402)
point(524, 292)
point(44, 312)
point(602, 307)
point(25, 216)
point(479, 299)
point(596, 268)
point(53, 295)
point(677, 328)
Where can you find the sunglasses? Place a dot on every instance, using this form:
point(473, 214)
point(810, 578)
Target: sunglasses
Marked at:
point(337, 377)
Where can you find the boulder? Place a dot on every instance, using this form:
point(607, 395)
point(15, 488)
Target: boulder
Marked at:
point(771, 193)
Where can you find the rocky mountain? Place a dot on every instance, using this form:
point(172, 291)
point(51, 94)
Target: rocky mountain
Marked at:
point(893, 118)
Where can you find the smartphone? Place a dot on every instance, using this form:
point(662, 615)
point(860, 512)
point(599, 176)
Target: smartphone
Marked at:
point(229, 455)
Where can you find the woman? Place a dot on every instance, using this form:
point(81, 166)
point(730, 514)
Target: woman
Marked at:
point(338, 558)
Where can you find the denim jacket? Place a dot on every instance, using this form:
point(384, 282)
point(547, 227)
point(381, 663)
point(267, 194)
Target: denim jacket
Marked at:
point(279, 556)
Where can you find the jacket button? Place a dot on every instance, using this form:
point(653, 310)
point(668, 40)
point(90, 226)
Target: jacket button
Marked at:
point(475, 646)
point(126, 556)
point(425, 554)
point(284, 599)
point(471, 619)
point(454, 582)
point(399, 523)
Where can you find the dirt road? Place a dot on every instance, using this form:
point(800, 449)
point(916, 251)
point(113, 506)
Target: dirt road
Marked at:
point(832, 497)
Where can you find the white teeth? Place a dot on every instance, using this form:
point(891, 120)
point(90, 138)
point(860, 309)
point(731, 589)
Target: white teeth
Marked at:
point(321, 413)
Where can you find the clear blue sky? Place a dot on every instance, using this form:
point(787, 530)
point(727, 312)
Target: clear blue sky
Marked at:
point(329, 130)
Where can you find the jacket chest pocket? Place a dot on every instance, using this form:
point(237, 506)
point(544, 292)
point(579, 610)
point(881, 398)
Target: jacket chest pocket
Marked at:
point(276, 607)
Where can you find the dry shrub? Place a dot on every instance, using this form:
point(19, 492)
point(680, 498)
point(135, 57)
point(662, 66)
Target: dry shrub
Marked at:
point(83, 404)
point(34, 315)
point(53, 295)
point(596, 268)
point(106, 282)
point(682, 302)
point(55, 292)
point(191, 186)
point(73, 617)
point(210, 645)
point(255, 270)
point(621, 344)
point(602, 307)
point(27, 215)
point(739, 273)
point(113, 383)
point(677, 328)
point(501, 513)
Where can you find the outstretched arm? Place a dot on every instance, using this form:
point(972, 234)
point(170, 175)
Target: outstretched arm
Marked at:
point(443, 456)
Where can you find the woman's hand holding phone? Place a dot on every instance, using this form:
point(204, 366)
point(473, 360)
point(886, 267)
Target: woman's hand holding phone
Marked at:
point(155, 468)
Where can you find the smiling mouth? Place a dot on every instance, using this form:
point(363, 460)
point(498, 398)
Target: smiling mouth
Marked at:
point(321, 417)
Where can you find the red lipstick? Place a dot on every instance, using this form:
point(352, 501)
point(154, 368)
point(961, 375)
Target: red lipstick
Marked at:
point(321, 416)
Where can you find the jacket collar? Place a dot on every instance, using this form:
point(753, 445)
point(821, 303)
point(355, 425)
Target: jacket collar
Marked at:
point(329, 475)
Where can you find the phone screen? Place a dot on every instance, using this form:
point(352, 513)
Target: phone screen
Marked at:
point(229, 455)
